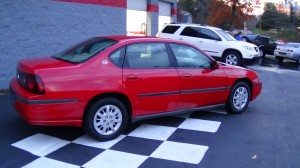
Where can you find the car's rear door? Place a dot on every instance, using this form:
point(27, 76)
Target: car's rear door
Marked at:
point(150, 78)
point(200, 84)
point(204, 39)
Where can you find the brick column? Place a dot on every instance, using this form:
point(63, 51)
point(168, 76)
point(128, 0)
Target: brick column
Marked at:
point(174, 11)
point(152, 17)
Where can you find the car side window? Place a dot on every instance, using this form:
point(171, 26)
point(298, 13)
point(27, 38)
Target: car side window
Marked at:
point(271, 42)
point(116, 57)
point(208, 34)
point(147, 55)
point(190, 31)
point(264, 41)
point(170, 29)
point(258, 40)
point(189, 57)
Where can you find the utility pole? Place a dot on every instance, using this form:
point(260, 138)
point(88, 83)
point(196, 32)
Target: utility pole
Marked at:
point(292, 13)
point(260, 22)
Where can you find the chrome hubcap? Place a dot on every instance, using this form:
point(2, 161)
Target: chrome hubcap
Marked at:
point(240, 98)
point(231, 59)
point(261, 53)
point(107, 120)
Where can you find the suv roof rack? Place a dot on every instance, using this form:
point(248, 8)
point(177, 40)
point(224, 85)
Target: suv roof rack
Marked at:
point(188, 23)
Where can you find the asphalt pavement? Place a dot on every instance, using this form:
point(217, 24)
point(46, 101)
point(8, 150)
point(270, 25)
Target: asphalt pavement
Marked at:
point(266, 135)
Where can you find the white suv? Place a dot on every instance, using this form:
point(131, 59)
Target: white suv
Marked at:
point(214, 41)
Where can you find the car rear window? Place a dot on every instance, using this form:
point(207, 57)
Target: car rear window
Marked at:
point(170, 29)
point(85, 50)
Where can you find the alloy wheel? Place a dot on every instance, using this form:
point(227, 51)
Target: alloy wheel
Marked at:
point(240, 98)
point(107, 120)
point(231, 59)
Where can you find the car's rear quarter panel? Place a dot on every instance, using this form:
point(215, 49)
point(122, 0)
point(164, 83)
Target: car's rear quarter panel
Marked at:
point(79, 82)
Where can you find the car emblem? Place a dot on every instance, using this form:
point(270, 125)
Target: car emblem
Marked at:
point(104, 62)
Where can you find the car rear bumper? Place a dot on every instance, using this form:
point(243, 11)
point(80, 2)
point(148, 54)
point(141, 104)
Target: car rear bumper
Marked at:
point(58, 112)
point(288, 56)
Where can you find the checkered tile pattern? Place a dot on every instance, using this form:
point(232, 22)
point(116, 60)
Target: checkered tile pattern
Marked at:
point(153, 143)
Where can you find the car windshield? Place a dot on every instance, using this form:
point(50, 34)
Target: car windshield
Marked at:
point(227, 36)
point(294, 45)
point(84, 50)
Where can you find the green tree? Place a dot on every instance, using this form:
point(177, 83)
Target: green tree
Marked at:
point(197, 8)
point(272, 19)
point(224, 13)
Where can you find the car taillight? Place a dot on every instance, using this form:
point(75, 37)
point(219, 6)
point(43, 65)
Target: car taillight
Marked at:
point(40, 84)
point(33, 83)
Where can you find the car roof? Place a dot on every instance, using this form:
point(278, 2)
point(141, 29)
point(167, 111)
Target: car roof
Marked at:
point(194, 25)
point(255, 35)
point(123, 38)
point(292, 43)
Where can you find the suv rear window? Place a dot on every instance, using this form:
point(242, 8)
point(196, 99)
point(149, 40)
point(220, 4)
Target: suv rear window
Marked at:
point(170, 29)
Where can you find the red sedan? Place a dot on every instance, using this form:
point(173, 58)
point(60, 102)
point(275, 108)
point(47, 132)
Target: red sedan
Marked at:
point(104, 83)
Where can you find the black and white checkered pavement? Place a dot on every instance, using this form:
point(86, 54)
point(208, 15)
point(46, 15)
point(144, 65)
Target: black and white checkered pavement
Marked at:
point(162, 142)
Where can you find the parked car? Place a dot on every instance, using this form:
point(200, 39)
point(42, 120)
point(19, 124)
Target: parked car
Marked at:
point(214, 41)
point(280, 42)
point(244, 32)
point(288, 51)
point(105, 83)
point(265, 44)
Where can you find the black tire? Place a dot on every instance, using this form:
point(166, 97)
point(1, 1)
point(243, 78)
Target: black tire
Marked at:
point(262, 50)
point(299, 60)
point(98, 114)
point(280, 59)
point(233, 58)
point(235, 93)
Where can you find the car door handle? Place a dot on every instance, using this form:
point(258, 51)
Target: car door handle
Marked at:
point(180, 39)
point(186, 75)
point(200, 41)
point(132, 77)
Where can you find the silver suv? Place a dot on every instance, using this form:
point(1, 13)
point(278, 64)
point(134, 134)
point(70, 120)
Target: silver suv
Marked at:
point(214, 41)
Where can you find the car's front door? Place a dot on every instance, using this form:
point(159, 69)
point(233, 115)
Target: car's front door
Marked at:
point(271, 45)
point(150, 78)
point(200, 83)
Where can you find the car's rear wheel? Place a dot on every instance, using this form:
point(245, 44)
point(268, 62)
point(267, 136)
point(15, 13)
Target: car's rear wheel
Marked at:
point(233, 58)
point(239, 97)
point(106, 119)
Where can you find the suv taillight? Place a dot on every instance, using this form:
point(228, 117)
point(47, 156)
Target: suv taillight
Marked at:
point(33, 83)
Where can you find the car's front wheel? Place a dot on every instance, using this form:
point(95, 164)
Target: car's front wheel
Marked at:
point(233, 58)
point(239, 97)
point(280, 59)
point(106, 119)
point(262, 52)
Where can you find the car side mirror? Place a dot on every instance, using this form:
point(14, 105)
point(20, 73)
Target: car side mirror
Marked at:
point(214, 64)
